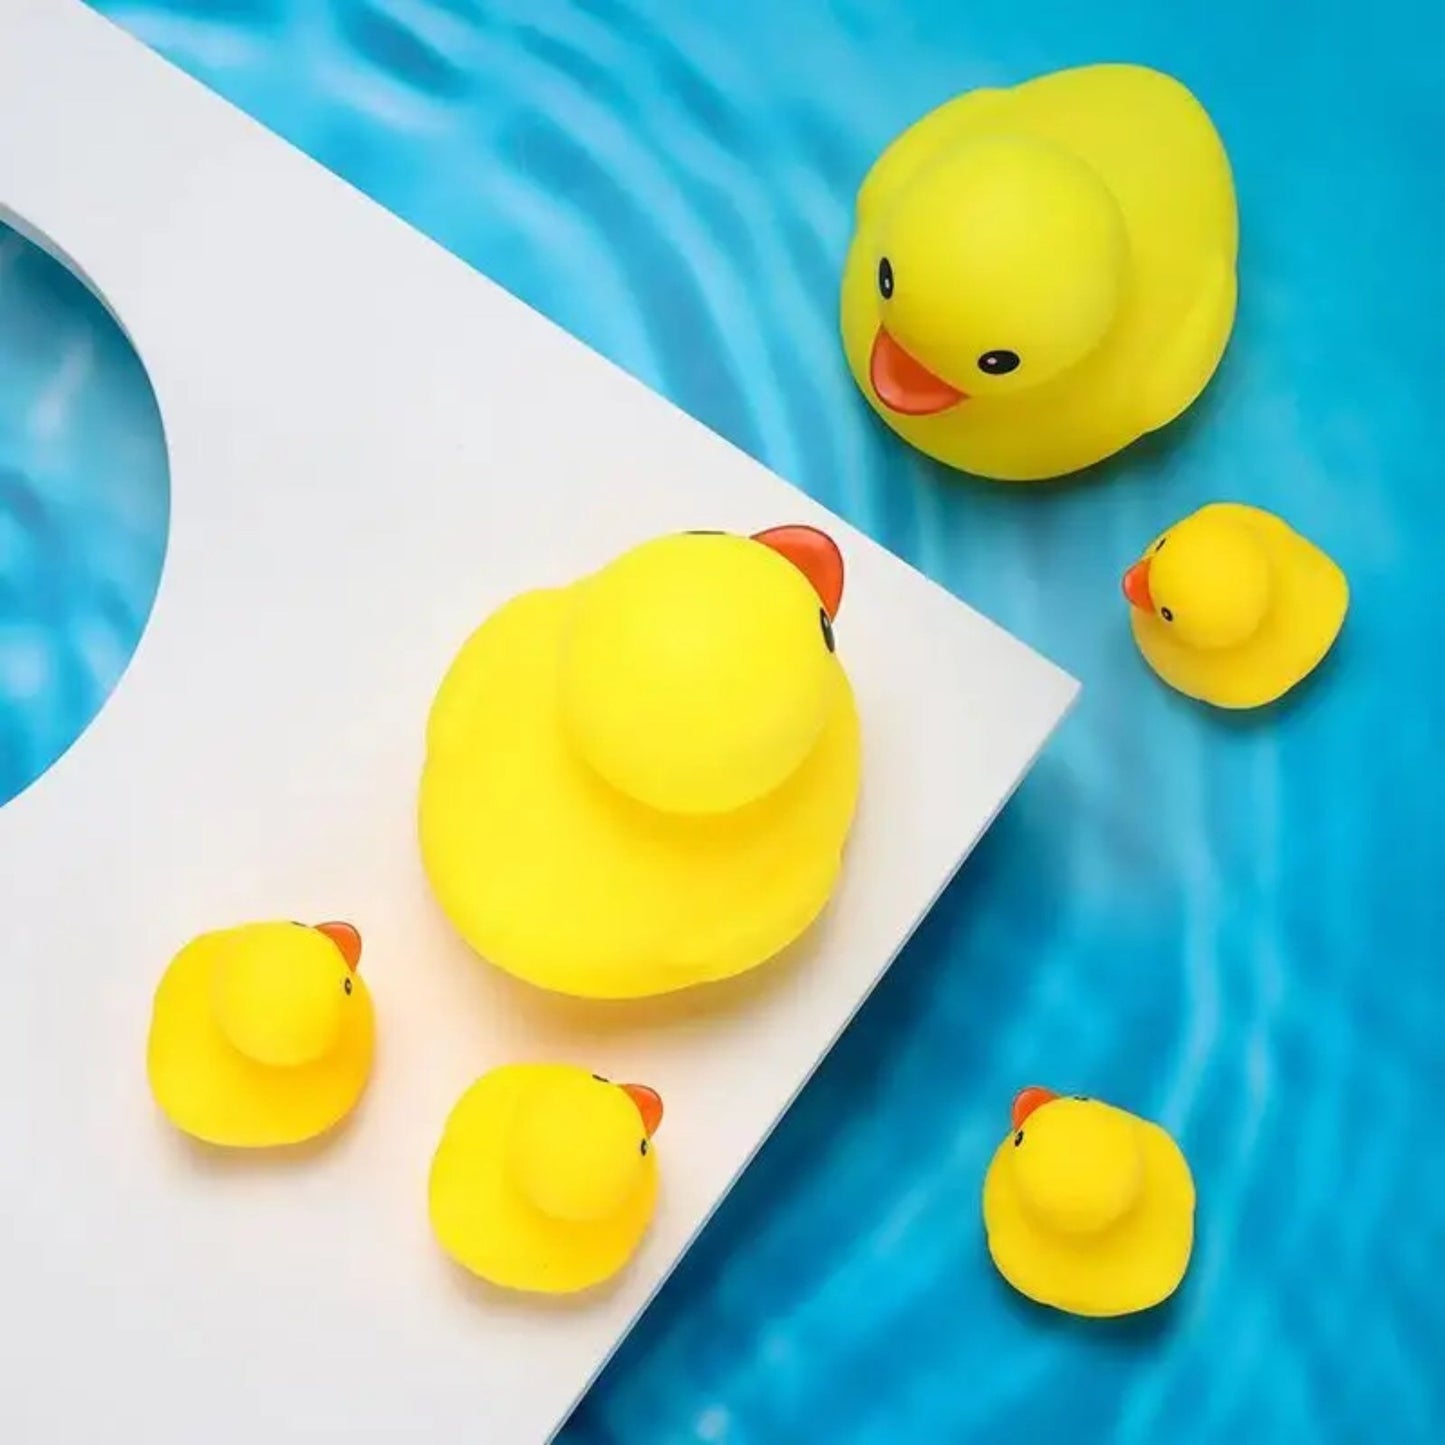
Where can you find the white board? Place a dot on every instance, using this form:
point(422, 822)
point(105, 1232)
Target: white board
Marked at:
point(371, 446)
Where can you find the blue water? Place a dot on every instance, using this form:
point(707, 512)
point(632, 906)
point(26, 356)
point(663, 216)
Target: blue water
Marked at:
point(84, 500)
point(1224, 923)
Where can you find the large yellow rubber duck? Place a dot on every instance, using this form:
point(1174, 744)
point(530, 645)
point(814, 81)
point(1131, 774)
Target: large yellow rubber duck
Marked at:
point(644, 781)
point(546, 1177)
point(1041, 275)
point(262, 1035)
point(1233, 607)
point(1088, 1208)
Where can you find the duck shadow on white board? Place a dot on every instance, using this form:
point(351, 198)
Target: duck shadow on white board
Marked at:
point(563, 1019)
point(217, 1161)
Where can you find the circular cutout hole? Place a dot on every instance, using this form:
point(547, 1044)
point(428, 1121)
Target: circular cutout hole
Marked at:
point(84, 508)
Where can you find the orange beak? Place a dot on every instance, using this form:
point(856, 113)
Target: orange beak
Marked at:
point(1027, 1100)
point(815, 554)
point(1136, 586)
point(346, 938)
point(649, 1105)
point(903, 384)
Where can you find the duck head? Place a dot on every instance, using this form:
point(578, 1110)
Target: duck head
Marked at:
point(1000, 264)
point(1077, 1164)
point(1207, 581)
point(698, 670)
point(581, 1146)
point(279, 991)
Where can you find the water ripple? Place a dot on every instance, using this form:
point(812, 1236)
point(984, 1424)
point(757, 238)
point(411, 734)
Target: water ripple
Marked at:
point(83, 509)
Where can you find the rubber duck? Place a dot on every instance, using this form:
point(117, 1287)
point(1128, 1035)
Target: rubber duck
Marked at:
point(262, 1035)
point(1088, 1208)
point(644, 781)
point(545, 1179)
point(1233, 607)
point(1040, 275)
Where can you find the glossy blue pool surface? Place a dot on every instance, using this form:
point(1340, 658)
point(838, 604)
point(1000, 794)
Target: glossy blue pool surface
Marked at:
point(84, 502)
point(1231, 924)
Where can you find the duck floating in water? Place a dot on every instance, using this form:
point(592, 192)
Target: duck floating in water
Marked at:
point(1088, 1208)
point(644, 781)
point(1233, 607)
point(545, 1179)
point(262, 1035)
point(1041, 275)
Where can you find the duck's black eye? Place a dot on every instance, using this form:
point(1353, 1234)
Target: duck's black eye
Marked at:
point(644, 1148)
point(1018, 1138)
point(998, 363)
point(1159, 545)
point(346, 984)
point(825, 622)
point(885, 279)
point(599, 1078)
point(1166, 614)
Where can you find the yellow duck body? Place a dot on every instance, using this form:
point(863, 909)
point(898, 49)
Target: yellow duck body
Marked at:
point(644, 781)
point(545, 1179)
point(1233, 607)
point(261, 1035)
point(1088, 1209)
point(1040, 275)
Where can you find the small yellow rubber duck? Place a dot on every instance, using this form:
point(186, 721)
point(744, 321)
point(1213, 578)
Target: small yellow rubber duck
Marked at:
point(546, 1177)
point(262, 1035)
point(1233, 607)
point(644, 781)
point(1041, 275)
point(1088, 1208)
